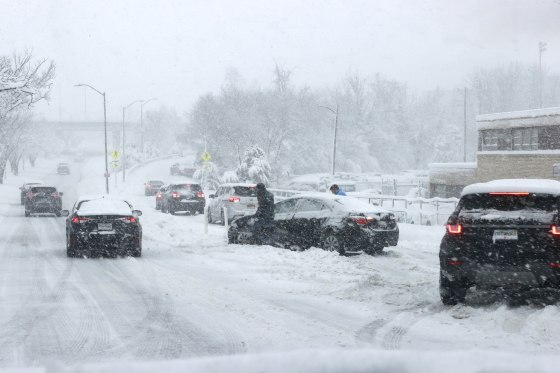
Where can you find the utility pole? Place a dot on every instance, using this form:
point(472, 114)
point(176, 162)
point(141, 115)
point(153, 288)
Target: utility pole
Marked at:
point(542, 48)
point(465, 126)
point(123, 163)
point(142, 124)
point(335, 112)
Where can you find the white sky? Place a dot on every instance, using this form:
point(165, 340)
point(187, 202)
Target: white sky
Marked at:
point(178, 50)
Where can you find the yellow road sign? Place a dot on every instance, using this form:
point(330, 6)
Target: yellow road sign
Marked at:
point(116, 154)
point(206, 156)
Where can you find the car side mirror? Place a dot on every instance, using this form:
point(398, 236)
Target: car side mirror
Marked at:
point(137, 212)
point(64, 213)
point(61, 194)
point(212, 196)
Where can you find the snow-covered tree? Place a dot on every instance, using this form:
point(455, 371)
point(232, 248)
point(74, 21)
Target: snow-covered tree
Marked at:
point(230, 177)
point(254, 167)
point(208, 175)
point(22, 84)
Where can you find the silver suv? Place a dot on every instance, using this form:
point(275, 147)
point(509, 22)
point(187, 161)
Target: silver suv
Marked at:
point(240, 199)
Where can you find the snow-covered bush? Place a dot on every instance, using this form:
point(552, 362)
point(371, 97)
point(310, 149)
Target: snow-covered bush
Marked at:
point(208, 176)
point(230, 177)
point(254, 167)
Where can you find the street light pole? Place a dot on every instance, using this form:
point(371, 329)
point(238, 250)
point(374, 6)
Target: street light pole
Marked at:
point(142, 125)
point(105, 129)
point(335, 112)
point(124, 140)
point(542, 48)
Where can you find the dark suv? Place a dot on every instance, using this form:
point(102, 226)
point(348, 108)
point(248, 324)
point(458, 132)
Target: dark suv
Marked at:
point(43, 199)
point(183, 197)
point(503, 234)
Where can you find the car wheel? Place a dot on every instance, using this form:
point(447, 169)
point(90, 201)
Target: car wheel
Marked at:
point(27, 213)
point(331, 242)
point(171, 210)
point(244, 238)
point(137, 253)
point(451, 292)
point(374, 250)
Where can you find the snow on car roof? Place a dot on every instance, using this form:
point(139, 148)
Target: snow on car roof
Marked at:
point(546, 186)
point(239, 184)
point(348, 202)
point(104, 207)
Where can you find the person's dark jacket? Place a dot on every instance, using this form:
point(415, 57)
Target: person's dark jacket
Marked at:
point(265, 211)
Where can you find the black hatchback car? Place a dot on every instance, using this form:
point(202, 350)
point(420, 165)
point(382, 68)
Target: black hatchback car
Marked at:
point(503, 234)
point(43, 199)
point(335, 223)
point(183, 197)
point(103, 225)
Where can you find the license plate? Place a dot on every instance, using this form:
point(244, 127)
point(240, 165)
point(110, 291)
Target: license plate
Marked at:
point(383, 224)
point(504, 235)
point(104, 226)
point(250, 206)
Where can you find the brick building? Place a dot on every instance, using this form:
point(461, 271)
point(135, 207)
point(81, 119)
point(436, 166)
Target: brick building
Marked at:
point(521, 144)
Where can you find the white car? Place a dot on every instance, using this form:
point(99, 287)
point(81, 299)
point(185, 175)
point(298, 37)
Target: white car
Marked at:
point(239, 199)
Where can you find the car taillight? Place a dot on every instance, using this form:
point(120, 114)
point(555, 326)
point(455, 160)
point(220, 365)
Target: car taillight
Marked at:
point(362, 220)
point(158, 195)
point(129, 219)
point(455, 229)
point(175, 194)
point(555, 230)
point(234, 199)
point(200, 194)
point(79, 219)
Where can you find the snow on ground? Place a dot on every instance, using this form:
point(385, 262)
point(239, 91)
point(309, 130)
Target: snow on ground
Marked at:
point(209, 306)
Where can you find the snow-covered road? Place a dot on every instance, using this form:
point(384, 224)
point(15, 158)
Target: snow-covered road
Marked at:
point(191, 295)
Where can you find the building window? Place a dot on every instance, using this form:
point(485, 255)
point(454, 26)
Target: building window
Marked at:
point(489, 140)
point(525, 139)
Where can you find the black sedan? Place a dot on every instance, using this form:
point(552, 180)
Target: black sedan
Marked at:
point(103, 225)
point(335, 223)
point(183, 197)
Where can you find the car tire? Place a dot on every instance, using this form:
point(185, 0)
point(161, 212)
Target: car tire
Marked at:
point(244, 238)
point(171, 210)
point(451, 292)
point(137, 253)
point(331, 242)
point(27, 213)
point(374, 250)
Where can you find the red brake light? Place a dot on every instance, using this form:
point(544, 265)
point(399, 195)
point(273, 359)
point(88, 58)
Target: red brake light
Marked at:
point(454, 228)
point(362, 220)
point(79, 219)
point(455, 263)
point(200, 194)
point(554, 230)
point(175, 194)
point(509, 193)
point(129, 219)
point(234, 199)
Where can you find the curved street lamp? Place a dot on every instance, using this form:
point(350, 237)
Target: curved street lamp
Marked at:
point(141, 123)
point(124, 141)
point(335, 112)
point(105, 122)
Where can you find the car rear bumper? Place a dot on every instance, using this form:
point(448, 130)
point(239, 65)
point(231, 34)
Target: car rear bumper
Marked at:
point(44, 207)
point(364, 239)
point(189, 206)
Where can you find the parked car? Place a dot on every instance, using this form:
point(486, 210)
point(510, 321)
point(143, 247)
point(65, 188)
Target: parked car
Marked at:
point(159, 196)
point(183, 197)
point(152, 186)
point(103, 225)
point(335, 223)
point(25, 189)
point(238, 198)
point(182, 169)
point(63, 169)
point(503, 234)
point(43, 199)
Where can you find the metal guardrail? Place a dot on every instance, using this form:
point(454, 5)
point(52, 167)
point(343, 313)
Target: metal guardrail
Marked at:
point(425, 211)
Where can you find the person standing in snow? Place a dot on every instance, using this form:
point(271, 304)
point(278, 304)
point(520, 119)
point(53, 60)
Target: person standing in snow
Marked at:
point(264, 216)
point(335, 189)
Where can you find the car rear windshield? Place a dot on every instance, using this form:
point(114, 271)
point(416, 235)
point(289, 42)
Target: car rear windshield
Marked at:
point(155, 182)
point(47, 190)
point(541, 207)
point(245, 191)
point(187, 187)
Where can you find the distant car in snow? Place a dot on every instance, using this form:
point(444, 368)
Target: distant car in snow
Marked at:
point(335, 223)
point(159, 196)
point(103, 225)
point(503, 234)
point(43, 199)
point(182, 169)
point(183, 197)
point(239, 199)
point(25, 188)
point(152, 186)
point(63, 169)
